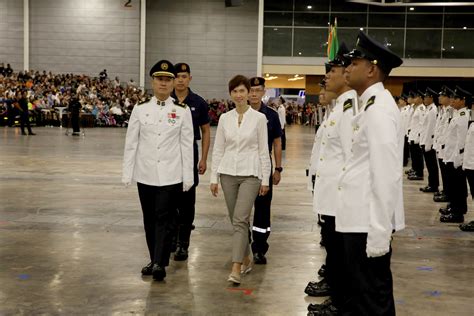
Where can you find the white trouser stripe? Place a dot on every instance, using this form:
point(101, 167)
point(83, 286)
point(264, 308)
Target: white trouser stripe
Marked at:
point(261, 230)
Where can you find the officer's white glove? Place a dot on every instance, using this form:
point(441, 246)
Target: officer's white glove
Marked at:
point(457, 161)
point(377, 245)
point(187, 186)
point(373, 252)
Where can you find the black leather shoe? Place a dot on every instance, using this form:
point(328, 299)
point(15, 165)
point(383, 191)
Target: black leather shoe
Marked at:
point(452, 218)
point(147, 270)
point(415, 178)
point(318, 307)
point(330, 310)
point(259, 258)
point(318, 289)
point(181, 254)
point(409, 171)
point(159, 273)
point(445, 210)
point(439, 193)
point(440, 198)
point(428, 189)
point(322, 271)
point(469, 227)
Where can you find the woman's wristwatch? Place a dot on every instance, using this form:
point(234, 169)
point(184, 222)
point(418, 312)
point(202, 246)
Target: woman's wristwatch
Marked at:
point(279, 169)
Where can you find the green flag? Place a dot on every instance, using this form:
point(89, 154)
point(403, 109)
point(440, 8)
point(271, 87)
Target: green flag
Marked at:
point(333, 43)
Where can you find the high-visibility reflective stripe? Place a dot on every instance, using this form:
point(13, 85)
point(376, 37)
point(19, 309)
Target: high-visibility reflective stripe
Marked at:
point(261, 230)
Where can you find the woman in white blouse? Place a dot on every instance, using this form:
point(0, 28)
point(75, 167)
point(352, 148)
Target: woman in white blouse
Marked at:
point(241, 161)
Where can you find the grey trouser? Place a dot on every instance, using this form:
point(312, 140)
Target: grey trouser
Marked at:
point(240, 193)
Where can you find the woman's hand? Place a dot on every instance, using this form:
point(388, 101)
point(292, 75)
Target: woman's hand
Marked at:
point(214, 189)
point(263, 189)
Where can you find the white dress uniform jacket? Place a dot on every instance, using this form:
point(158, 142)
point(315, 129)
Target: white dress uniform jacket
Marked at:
point(438, 128)
point(415, 124)
point(313, 161)
point(159, 144)
point(468, 159)
point(241, 151)
point(427, 137)
point(456, 137)
point(370, 187)
point(443, 132)
point(406, 113)
point(335, 149)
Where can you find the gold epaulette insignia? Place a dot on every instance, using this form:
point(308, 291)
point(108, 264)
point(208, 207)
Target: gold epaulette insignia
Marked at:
point(144, 101)
point(370, 102)
point(347, 105)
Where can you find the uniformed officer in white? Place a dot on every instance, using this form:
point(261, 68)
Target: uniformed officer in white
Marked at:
point(406, 111)
point(370, 200)
point(158, 155)
point(325, 98)
point(468, 166)
point(440, 137)
point(335, 150)
point(416, 125)
point(427, 141)
point(455, 141)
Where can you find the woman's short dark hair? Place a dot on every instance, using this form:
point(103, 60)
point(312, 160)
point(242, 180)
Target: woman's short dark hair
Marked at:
point(237, 81)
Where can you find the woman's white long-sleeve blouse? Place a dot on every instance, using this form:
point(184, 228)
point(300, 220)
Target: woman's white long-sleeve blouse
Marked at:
point(241, 151)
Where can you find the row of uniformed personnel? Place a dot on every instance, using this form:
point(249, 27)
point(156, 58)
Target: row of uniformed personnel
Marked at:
point(356, 162)
point(440, 135)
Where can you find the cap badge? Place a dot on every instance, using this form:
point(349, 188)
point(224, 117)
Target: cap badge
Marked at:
point(183, 67)
point(164, 66)
point(255, 81)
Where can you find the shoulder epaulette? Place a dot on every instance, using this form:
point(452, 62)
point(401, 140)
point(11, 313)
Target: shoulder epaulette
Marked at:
point(347, 105)
point(144, 101)
point(183, 105)
point(369, 102)
point(462, 113)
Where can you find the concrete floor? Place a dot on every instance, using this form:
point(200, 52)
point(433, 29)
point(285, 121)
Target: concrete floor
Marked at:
point(72, 242)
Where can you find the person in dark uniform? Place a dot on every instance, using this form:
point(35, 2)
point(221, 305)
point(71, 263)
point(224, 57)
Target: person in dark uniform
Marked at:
point(75, 108)
point(262, 215)
point(200, 113)
point(158, 155)
point(24, 113)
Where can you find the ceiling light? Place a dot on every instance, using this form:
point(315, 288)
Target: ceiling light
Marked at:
point(361, 29)
point(299, 53)
point(464, 28)
point(412, 9)
point(309, 7)
point(275, 29)
point(452, 47)
point(296, 76)
point(267, 75)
